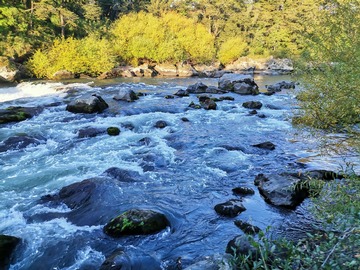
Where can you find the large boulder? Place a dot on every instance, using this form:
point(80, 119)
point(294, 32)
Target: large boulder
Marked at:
point(92, 104)
point(238, 83)
point(135, 222)
point(17, 114)
point(126, 95)
point(252, 105)
point(283, 189)
point(7, 248)
point(166, 70)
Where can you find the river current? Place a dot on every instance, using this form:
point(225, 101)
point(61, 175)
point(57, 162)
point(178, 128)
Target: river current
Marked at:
point(186, 169)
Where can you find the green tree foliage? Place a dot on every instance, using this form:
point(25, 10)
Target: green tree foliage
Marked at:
point(90, 55)
point(172, 37)
point(332, 96)
point(231, 50)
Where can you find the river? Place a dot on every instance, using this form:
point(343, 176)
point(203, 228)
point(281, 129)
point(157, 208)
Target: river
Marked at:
point(186, 169)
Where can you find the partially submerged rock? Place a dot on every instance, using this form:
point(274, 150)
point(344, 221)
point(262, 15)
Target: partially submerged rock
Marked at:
point(90, 132)
point(135, 222)
point(278, 87)
point(252, 105)
point(161, 124)
point(17, 114)
point(7, 247)
point(113, 131)
point(247, 227)
point(92, 104)
point(131, 258)
point(281, 189)
point(126, 95)
point(265, 145)
point(20, 142)
point(231, 208)
point(243, 191)
point(238, 83)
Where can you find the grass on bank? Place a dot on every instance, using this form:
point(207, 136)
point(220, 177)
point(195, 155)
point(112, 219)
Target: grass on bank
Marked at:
point(336, 245)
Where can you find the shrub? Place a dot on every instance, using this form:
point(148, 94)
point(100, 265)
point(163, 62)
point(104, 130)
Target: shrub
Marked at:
point(90, 55)
point(231, 50)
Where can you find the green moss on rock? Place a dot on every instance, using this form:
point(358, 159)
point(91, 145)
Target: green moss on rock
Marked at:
point(113, 131)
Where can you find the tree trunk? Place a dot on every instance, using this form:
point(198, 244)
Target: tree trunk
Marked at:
point(62, 23)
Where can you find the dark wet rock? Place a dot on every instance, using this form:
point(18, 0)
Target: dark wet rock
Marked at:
point(243, 191)
point(160, 124)
point(63, 75)
point(265, 145)
point(131, 258)
point(145, 141)
point(253, 112)
point(141, 94)
point(280, 86)
point(252, 105)
point(272, 107)
point(169, 97)
point(194, 106)
point(232, 148)
point(74, 195)
point(320, 174)
point(93, 104)
point(90, 132)
point(202, 98)
point(17, 114)
point(261, 115)
point(247, 227)
point(184, 119)
point(126, 95)
point(209, 104)
point(240, 84)
point(281, 189)
point(7, 247)
point(197, 88)
point(226, 98)
point(20, 142)
point(268, 93)
point(231, 208)
point(135, 222)
point(214, 90)
point(181, 93)
point(113, 131)
point(122, 175)
point(128, 126)
point(241, 246)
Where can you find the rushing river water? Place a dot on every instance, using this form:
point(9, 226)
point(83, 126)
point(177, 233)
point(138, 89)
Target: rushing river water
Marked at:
point(186, 169)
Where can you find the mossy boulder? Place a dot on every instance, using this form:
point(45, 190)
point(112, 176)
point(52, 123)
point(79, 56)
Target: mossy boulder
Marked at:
point(17, 114)
point(113, 131)
point(7, 247)
point(136, 222)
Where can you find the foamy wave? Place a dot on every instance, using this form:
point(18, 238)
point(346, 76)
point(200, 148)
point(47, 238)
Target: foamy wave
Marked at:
point(32, 89)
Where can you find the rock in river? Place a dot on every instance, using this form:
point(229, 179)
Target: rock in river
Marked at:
point(240, 84)
point(93, 104)
point(231, 208)
point(136, 221)
point(7, 247)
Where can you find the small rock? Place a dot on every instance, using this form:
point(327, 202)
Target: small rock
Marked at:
point(231, 208)
point(243, 191)
point(169, 97)
point(252, 105)
point(194, 106)
point(227, 98)
point(161, 124)
point(261, 115)
point(89, 132)
point(20, 142)
point(135, 222)
point(122, 175)
point(265, 145)
point(246, 227)
point(113, 131)
point(184, 119)
point(253, 112)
